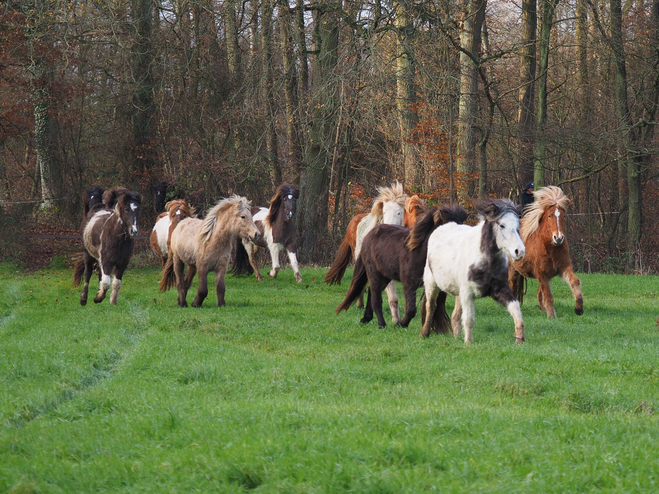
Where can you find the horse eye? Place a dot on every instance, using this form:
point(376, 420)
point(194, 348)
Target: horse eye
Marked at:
point(503, 227)
point(242, 216)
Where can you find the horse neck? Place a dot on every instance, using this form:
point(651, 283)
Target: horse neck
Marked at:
point(488, 239)
point(117, 227)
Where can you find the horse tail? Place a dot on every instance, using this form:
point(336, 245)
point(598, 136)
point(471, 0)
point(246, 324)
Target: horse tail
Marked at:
point(517, 286)
point(168, 277)
point(78, 271)
point(441, 322)
point(338, 268)
point(241, 263)
point(357, 285)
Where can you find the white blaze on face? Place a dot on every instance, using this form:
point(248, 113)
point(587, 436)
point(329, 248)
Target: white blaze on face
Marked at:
point(133, 228)
point(290, 197)
point(558, 223)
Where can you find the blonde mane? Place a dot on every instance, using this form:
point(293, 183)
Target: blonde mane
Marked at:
point(180, 205)
point(395, 193)
point(221, 209)
point(545, 198)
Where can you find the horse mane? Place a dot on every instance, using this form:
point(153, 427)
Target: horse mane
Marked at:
point(220, 209)
point(275, 202)
point(180, 205)
point(545, 198)
point(395, 193)
point(431, 220)
point(415, 202)
point(493, 209)
point(111, 197)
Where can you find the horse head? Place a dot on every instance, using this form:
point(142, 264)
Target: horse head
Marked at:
point(389, 206)
point(179, 209)
point(503, 218)
point(284, 201)
point(126, 206)
point(415, 207)
point(546, 215)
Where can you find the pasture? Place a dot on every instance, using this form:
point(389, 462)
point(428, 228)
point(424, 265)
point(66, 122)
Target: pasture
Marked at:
point(274, 393)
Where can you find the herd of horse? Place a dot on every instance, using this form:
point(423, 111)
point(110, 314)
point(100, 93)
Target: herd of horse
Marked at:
point(400, 240)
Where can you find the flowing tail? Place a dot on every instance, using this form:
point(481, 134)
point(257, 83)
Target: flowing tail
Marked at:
point(78, 271)
point(517, 285)
point(168, 277)
point(241, 263)
point(338, 268)
point(441, 322)
point(357, 285)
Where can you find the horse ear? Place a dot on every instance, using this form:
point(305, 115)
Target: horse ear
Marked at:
point(489, 209)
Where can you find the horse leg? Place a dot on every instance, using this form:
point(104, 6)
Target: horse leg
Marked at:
point(360, 301)
point(220, 285)
point(104, 284)
point(116, 283)
point(575, 285)
point(189, 277)
point(545, 297)
point(292, 257)
point(180, 280)
point(410, 304)
point(506, 297)
point(89, 269)
point(456, 317)
point(251, 249)
point(392, 295)
point(202, 289)
point(467, 303)
point(274, 254)
point(375, 299)
point(430, 292)
point(368, 312)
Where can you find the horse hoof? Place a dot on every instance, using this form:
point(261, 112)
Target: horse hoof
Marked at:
point(83, 302)
point(578, 312)
point(382, 326)
point(423, 335)
point(364, 320)
point(519, 341)
point(298, 278)
point(98, 300)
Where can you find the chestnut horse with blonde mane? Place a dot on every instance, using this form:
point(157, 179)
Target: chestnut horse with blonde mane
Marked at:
point(547, 251)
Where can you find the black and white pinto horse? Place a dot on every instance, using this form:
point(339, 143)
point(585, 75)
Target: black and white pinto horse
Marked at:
point(278, 233)
point(108, 238)
point(471, 262)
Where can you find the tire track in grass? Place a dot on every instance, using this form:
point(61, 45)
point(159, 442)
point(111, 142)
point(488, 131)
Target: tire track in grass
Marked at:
point(102, 370)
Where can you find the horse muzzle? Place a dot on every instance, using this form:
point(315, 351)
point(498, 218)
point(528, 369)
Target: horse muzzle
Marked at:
point(133, 231)
point(518, 254)
point(290, 215)
point(558, 240)
point(255, 237)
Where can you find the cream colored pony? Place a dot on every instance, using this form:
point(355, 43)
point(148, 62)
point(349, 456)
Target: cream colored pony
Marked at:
point(206, 245)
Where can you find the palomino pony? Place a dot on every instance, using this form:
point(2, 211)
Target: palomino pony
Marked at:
point(388, 208)
point(471, 262)
point(277, 232)
point(108, 239)
point(547, 252)
point(391, 252)
point(206, 245)
point(177, 210)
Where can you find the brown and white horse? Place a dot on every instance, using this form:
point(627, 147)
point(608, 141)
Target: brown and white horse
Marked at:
point(278, 232)
point(206, 245)
point(177, 210)
point(547, 251)
point(108, 238)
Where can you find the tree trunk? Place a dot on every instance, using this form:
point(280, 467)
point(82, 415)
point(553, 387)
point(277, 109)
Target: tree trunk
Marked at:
point(406, 89)
point(470, 41)
point(526, 121)
point(548, 9)
point(233, 49)
point(291, 90)
point(315, 175)
point(267, 93)
point(143, 149)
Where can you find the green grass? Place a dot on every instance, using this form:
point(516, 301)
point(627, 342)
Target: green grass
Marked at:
point(274, 393)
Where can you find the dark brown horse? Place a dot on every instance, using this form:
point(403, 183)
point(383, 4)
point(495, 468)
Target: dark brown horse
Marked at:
point(108, 239)
point(391, 252)
point(414, 208)
point(547, 251)
point(177, 210)
point(277, 233)
point(91, 197)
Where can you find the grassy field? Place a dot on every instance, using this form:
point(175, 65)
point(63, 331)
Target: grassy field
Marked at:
point(274, 393)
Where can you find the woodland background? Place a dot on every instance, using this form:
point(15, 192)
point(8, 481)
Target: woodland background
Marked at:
point(456, 99)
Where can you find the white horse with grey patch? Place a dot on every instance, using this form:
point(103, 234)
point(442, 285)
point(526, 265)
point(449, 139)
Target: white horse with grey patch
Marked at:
point(471, 262)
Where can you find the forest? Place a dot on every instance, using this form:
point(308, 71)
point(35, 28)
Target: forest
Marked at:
point(457, 100)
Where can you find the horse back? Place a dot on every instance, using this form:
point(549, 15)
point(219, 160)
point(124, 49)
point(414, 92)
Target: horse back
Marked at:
point(183, 241)
point(384, 250)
